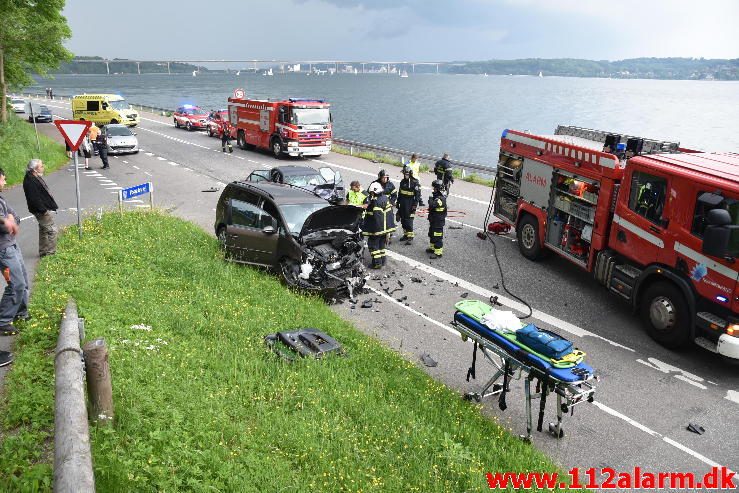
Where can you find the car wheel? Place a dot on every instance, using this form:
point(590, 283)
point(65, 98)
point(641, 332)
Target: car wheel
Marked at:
point(210, 132)
point(289, 271)
point(528, 238)
point(188, 126)
point(176, 123)
point(276, 148)
point(241, 140)
point(665, 312)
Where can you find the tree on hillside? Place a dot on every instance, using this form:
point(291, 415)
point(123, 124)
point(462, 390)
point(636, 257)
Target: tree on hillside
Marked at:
point(31, 36)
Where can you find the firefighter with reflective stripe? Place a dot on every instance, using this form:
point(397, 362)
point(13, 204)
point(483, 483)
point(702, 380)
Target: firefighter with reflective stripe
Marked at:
point(226, 137)
point(356, 196)
point(377, 224)
point(409, 196)
point(383, 178)
point(437, 218)
point(444, 171)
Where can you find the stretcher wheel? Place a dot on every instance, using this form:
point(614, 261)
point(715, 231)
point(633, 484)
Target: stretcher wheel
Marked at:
point(553, 430)
point(472, 396)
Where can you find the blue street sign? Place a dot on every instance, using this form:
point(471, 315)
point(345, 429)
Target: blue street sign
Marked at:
point(135, 191)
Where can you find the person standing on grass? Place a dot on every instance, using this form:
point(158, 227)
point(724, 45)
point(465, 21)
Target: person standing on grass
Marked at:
point(14, 302)
point(42, 205)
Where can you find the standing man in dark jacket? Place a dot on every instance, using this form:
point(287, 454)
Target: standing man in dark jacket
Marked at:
point(437, 219)
point(409, 196)
point(444, 171)
point(377, 224)
point(14, 303)
point(42, 205)
point(226, 137)
point(102, 141)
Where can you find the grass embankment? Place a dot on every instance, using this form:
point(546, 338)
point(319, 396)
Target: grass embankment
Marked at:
point(381, 158)
point(18, 146)
point(201, 405)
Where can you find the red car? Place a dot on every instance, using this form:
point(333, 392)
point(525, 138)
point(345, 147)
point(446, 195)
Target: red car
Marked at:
point(191, 117)
point(216, 119)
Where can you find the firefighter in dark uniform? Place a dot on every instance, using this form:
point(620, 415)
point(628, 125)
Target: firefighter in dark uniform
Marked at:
point(383, 178)
point(409, 197)
point(226, 137)
point(437, 218)
point(444, 172)
point(377, 223)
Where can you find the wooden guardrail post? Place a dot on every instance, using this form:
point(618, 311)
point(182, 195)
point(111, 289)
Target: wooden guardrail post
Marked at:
point(72, 455)
point(99, 386)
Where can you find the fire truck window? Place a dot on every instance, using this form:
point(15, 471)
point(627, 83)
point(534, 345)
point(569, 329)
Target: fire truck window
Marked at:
point(647, 196)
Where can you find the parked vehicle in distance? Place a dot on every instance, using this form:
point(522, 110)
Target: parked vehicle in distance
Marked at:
point(311, 244)
point(295, 126)
point(121, 140)
point(104, 109)
point(38, 112)
point(190, 117)
point(325, 182)
point(215, 122)
point(18, 104)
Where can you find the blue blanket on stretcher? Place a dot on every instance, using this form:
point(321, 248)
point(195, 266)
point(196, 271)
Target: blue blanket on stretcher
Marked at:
point(576, 373)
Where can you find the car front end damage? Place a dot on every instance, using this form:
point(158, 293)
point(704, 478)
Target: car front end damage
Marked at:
point(331, 264)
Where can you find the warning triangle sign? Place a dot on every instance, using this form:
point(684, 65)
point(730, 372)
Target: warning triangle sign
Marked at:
point(73, 131)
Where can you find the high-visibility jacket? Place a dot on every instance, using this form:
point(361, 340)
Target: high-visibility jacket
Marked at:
point(415, 166)
point(355, 198)
point(378, 217)
point(437, 210)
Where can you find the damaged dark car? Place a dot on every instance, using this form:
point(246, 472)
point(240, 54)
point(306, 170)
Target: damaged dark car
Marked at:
point(311, 244)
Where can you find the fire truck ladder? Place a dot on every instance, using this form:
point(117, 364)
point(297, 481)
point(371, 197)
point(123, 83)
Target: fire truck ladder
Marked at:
point(650, 146)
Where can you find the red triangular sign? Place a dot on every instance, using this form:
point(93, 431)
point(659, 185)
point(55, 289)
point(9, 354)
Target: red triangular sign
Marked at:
point(73, 131)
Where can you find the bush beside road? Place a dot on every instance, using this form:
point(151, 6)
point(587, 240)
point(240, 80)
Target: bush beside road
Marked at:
point(202, 404)
point(18, 146)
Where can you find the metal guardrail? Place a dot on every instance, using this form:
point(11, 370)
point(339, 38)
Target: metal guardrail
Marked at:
point(404, 156)
point(401, 154)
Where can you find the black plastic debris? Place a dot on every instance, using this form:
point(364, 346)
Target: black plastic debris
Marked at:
point(494, 301)
point(400, 283)
point(402, 298)
point(305, 343)
point(440, 280)
point(464, 295)
point(695, 428)
point(367, 304)
point(495, 286)
point(428, 360)
point(416, 279)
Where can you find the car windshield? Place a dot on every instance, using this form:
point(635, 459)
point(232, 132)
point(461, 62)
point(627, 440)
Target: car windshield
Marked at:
point(17, 101)
point(311, 116)
point(120, 104)
point(119, 131)
point(311, 180)
point(296, 214)
point(44, 109)
point(193, 111)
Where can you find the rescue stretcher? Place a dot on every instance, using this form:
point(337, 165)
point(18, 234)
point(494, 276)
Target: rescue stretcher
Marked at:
point(573, 382)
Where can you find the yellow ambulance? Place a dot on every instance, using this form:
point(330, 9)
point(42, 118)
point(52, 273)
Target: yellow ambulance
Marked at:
point(103, 109)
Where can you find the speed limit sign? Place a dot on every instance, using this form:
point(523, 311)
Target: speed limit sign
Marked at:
point(239, 94)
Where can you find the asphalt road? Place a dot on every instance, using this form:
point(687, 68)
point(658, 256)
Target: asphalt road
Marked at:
point(647, 395)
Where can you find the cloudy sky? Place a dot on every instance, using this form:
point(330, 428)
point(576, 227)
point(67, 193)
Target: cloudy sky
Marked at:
point(394, 30)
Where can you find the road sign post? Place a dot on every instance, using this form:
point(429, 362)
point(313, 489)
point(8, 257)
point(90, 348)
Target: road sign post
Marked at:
point(135, 191)
point(73, 132)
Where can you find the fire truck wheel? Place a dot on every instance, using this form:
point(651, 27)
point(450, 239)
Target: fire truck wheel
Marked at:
point(276, 148)
point(528, 238)
point(664, 310)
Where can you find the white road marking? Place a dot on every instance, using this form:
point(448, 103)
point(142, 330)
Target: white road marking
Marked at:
point(539, 315)
point(732, 395)
point(114, 188)
point(136, 167)
point(683, 375)
point(125, 162)
point(161, 158)
point(147, 173)
point(155, 121)
point(416, 312)
point(149, 153)
point(173, 163)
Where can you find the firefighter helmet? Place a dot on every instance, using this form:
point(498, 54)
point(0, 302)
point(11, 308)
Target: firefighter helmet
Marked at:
point(382, 173)
point(437, 184)
point(407, 170)
point(375, 188)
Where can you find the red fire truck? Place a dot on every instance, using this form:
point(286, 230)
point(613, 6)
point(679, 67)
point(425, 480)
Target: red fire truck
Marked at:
point(656, 224)
point(297, 127)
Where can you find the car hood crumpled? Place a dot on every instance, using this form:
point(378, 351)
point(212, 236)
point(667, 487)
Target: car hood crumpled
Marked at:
point(333, 217)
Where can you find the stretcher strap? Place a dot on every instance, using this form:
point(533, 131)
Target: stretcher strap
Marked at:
point(471, 369)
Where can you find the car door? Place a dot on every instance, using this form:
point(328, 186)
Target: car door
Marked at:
point(642, 217)
point(251, 232)
point(258, 175)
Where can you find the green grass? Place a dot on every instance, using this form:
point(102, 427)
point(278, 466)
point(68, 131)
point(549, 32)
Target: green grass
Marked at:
point(18, 146)
point(201, 405)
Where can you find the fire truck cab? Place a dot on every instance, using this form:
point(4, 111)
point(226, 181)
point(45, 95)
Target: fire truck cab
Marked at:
point(296, 127)
point(656, 224)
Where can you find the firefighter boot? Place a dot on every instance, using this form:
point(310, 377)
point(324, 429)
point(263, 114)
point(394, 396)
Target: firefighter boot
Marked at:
point(230, 148)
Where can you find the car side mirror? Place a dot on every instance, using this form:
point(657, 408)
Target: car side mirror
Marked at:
point(716, 241)
point(718, 217)
point(269, 230)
